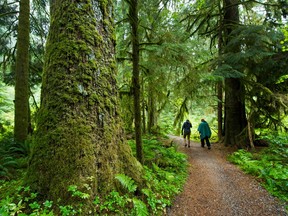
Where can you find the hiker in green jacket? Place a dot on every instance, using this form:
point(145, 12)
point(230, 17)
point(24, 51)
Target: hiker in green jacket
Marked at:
point(205, 133)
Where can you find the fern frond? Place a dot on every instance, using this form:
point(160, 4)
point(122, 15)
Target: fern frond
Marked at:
point(140, 207)
point(127, 182)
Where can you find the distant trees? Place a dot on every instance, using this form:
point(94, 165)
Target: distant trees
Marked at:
point(165, 56)
point(225, 16)
point(79, 138)
point(22, 41)
point(8, 31)
point(220, 21)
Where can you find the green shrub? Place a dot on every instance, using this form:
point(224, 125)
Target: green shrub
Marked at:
point(13, 156)
point(165, 172)
point(270, 165)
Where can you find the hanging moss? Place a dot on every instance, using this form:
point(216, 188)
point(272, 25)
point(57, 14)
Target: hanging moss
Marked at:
point(79, 132)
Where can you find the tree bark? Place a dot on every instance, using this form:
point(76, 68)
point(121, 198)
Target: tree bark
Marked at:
point(220, 85)
point(22, 74)
point(79, 138)
point(235, 119)
point(249, 128)
point(220, 109)
point(143, 109)
point(133, 17)
point(151, 107)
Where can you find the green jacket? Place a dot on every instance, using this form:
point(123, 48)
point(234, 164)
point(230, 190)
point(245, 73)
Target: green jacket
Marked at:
point(204, 130)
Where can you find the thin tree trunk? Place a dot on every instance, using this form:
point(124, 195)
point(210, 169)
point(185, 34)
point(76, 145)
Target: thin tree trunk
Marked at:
point(79, 138)
point(151, 107)
point(220, 109)
point(133, 12)
point(143, 109)
point(250, 135)
point(22, 74)
point(250, 129)
point(143, 118)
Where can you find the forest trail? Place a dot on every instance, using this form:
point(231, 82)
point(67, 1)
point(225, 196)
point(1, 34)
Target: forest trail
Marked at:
point(216, 187)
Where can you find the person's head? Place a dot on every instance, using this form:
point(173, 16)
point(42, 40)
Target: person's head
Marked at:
point(202, 120)
point(187, 120)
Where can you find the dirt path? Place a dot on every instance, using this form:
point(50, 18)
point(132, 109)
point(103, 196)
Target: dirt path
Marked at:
point(215, 187)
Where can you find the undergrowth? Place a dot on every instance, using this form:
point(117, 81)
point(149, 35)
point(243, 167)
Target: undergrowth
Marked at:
point(165, 172)
point(270, 165)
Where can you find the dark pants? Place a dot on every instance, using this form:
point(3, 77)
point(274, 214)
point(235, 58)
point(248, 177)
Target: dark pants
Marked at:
point(207, 142)
point(187, 134)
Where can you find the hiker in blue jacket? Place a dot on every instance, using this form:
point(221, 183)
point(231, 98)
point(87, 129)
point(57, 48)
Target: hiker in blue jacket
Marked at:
point(187, 132)
point(205, 133)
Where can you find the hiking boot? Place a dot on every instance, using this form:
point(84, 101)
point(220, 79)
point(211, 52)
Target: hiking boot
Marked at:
point(185, 145)
point(209, 147)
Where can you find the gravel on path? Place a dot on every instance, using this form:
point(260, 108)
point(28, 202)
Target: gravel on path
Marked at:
point(215, 187)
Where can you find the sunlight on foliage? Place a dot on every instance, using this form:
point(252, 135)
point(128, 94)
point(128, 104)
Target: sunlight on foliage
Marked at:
point(285, 41)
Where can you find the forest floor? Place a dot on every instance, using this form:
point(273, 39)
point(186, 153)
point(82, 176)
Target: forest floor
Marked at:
point(215, 187)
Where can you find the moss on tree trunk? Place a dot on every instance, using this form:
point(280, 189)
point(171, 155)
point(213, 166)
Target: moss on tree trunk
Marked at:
point(22, 74)
point(133, 18)
point(79, 137)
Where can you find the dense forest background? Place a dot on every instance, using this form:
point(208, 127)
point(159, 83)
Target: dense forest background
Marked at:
point(131, 69)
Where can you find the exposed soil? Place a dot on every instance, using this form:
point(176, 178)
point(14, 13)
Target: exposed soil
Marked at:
point(215, 187)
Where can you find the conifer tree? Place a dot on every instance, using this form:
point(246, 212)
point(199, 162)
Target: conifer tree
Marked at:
point(133, 19)
point(235, 118)
point(22, 74)
point(79, 138)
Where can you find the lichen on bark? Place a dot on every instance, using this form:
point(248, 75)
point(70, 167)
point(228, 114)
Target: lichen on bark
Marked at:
point(79, 131)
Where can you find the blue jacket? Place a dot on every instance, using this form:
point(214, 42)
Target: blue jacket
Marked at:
point(204, 130)
point(186, 126)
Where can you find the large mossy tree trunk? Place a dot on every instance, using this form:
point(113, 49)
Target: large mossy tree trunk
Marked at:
point(79, 138)
point(235, 118)
point(133, 18)
point(21, 115)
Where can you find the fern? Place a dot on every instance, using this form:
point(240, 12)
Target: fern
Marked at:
point(240, 157)
point(270, 165)
point(127, 182)
point(140, 207)
point(7, 164)
point(20, 149)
